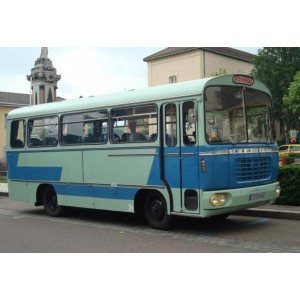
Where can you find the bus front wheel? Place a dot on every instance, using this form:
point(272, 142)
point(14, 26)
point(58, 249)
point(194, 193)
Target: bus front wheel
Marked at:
point(155, 211)
point(50, 202)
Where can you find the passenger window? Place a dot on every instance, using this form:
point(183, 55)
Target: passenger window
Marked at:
point(189, 123)
point(85, 128)
point(170, 125)
point(134, 124)
point(17, 137)
point(43, 132)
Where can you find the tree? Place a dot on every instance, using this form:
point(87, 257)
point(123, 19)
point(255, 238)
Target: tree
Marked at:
point(220, 72)
point(291, 101)
point(276, 67)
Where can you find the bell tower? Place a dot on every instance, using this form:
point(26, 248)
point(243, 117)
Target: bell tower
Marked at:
point(43, 80)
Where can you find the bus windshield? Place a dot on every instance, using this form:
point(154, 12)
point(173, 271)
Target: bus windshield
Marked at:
point(238, 115)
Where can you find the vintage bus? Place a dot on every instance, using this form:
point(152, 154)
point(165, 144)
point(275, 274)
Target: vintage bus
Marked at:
point(203, 148)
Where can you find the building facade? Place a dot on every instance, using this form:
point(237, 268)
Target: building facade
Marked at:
point(177, 64)
point(8, 102)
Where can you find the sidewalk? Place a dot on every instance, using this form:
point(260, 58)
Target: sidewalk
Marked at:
point(266, 211)
point(3, 189)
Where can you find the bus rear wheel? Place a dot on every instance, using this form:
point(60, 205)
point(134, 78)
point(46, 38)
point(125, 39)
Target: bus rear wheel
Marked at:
point(155, 211)
point(50, 202)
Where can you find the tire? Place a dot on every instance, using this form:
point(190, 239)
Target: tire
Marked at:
point(50, 203)
point(156, 212)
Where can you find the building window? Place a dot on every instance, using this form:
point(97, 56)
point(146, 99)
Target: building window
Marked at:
point(172, 79)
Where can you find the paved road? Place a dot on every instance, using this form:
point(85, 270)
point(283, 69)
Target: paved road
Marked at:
point(25, 228)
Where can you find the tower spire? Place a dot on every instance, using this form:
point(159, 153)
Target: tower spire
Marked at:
point(43, 79)
point(44, 52)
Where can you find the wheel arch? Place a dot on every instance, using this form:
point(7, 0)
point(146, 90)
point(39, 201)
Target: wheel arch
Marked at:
point(141, 196)
point(40, 192)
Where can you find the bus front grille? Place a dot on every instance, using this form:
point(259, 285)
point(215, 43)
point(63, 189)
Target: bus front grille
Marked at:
point(249, 169)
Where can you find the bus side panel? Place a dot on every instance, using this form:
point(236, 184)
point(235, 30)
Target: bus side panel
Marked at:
point(45, 167)
point(126, 166)
point(55, 166)
point(119, 173)
point(17, 173)
point(18, 191)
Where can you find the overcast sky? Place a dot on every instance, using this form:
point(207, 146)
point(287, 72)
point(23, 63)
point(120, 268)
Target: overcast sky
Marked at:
point(84, 71)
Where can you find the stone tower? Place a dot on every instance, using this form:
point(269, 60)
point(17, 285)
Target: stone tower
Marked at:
point(43, 80)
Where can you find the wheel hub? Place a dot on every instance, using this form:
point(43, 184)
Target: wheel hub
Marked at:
point(157, 209)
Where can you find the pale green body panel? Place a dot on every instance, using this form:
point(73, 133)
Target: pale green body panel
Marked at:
point(126, 166)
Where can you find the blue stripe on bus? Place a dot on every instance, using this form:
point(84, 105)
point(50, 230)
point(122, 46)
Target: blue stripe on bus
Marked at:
point(78, 190)
point(16, 172)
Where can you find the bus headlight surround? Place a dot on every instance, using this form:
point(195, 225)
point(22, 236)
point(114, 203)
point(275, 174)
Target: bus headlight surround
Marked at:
point(218, 199)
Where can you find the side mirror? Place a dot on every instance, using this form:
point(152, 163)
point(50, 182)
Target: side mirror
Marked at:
point(192, 117)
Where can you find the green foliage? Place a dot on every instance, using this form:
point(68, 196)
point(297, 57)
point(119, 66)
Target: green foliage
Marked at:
point(289, 178)
point(220, 72)
point(276, 67)
point(292, 100)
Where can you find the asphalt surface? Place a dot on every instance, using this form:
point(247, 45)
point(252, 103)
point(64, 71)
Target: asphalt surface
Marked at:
point(267, 211)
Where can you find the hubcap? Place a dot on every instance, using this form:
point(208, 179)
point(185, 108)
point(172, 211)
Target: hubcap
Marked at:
point(52, 200)
point(156, 209)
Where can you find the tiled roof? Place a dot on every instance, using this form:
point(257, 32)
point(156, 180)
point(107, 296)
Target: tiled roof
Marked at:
point(17, 100)
point(14, 99)
point(225, 51)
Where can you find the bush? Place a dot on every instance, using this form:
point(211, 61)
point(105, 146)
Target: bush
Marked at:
point(289, 178)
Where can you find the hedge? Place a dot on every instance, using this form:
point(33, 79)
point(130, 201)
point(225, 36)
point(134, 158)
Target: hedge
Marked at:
point(289, 178)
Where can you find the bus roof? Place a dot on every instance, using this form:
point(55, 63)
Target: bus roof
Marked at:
point(172, 91)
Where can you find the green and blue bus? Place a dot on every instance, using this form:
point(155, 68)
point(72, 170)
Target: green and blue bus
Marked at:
point(203, 148)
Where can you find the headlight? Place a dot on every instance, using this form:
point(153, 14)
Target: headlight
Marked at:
point(218, 199)
point(277, 190)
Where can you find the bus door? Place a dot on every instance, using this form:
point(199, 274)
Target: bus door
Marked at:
point(181, 160)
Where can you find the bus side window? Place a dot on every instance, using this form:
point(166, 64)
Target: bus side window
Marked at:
point(170, 125)
point(136, 124)
point(189, 123)
point(17, 134)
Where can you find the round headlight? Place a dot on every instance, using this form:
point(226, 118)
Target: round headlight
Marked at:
point(214, 200)
point(222, 199)
point(218, 199)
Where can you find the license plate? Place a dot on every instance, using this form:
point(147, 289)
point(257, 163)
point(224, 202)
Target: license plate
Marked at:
point(256, 196)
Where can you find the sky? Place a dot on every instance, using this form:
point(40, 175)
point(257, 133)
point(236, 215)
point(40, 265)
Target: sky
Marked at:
point(85, 71)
